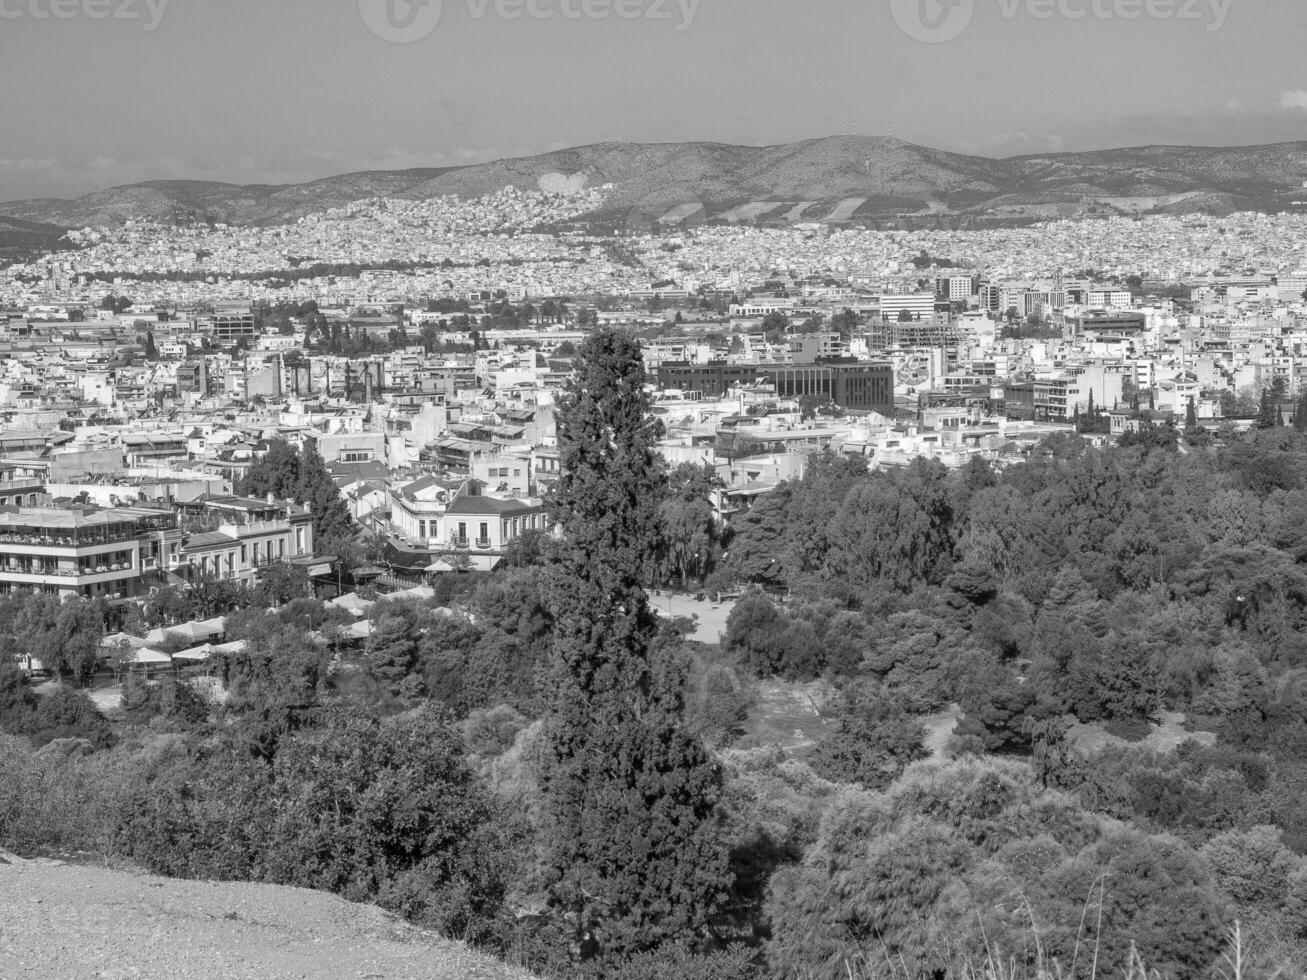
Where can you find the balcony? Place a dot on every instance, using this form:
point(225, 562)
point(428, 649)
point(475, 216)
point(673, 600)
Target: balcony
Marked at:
point(483, 544)
point(458, 542)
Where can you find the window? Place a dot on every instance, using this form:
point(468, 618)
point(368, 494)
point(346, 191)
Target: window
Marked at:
point(485, 532)
point(422, 529)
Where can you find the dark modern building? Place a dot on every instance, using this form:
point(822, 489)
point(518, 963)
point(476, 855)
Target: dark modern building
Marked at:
point(1109, 324)
point(858, 386)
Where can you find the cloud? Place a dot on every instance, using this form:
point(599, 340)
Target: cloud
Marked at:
point(1294, 100)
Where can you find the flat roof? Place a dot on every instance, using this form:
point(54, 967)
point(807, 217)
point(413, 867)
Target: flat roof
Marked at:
point(66, 519)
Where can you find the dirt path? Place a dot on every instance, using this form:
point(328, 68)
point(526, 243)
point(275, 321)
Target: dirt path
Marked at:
point(71, 922)
point(710, 617)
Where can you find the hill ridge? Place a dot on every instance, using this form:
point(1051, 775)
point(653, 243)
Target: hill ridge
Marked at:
point(888, 177)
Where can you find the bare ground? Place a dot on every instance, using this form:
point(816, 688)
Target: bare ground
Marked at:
point(1165, 737)
point(72, 922)
point(787, 715)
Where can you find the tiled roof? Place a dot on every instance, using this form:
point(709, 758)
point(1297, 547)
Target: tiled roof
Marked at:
point(470, 505)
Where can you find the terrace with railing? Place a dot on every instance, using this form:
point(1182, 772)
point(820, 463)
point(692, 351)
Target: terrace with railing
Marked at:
point(70, 530)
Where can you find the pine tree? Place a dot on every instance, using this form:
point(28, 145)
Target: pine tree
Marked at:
point(151, 351)
point(631, 850)
point(1191, 414)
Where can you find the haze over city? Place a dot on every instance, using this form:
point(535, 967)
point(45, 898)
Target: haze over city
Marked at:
point(249, 91)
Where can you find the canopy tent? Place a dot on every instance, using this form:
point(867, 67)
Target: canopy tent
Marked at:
point(149, 657)
point(352, 603)
point(195, 654)
point(116, 641)
point(357, 631)
point(421, 592)
point(198, 631)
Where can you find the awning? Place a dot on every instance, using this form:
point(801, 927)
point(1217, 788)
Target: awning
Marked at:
point(195, 654)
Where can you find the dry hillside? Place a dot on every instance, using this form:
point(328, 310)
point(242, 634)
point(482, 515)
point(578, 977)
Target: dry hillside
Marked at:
point(71, 922)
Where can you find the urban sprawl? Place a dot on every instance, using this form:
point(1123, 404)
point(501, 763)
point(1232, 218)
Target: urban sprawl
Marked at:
point(418, 347)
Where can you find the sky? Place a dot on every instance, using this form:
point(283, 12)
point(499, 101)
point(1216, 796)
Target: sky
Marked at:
point(98, 93)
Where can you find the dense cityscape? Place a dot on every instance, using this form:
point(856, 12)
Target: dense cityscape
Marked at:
point(651, 490)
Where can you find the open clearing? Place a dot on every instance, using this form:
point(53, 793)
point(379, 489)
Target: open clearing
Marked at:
point(710, 617)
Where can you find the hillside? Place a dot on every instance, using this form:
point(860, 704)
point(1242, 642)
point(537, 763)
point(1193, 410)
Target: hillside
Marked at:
point(837, 180)
point(73, 922)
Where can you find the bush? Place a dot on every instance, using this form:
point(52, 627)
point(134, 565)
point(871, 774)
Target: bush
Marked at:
point(1252, 866)
point(873, 742)
point(1129, 729)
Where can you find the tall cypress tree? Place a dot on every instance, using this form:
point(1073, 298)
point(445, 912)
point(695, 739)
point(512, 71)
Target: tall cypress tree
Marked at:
point(331, 519)
point(631, 845)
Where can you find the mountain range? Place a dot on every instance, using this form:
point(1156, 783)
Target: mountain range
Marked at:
point(837, 180)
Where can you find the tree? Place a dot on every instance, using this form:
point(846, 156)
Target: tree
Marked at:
point(317, 490)
point(276, 473)
point(302, 477)
point(1266, 408)
point(631, 853)
point(775, 325)
point(151, 351)
point(392, 649)
point(65, 637)
point(1190, 415)
point(845, 323)
point(874, 741)
point(690, 544)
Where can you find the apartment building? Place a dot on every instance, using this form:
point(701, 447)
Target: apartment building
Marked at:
point(86, 552)
point(416, 509)
point(483, 527)
point(956, 289)
point(1111, 299)
point(233, 538)
point(229, 329)
point(917, 306)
